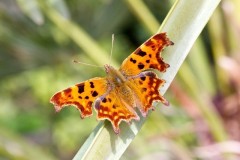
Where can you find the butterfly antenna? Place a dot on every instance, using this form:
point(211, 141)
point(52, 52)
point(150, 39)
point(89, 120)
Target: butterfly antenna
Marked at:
point(87, 64)
point(110, 58)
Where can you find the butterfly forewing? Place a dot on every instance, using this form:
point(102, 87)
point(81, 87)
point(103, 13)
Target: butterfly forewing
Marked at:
point(81, 95)
point(147, 56)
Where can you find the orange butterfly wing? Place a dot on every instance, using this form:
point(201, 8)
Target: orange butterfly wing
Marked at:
point(117, 106)
point(81, 95)
point(145, 84)
point(147, 56)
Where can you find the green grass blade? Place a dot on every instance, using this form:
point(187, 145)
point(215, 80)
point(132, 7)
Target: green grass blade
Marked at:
point(77, 34)
point(186, 32)
point(144, 15)
point(200, 64)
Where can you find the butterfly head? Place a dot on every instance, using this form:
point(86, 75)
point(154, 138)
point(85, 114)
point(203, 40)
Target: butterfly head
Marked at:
point(108, 68)
point(114, 75)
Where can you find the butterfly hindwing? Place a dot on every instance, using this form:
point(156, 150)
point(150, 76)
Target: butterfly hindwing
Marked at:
point(117, 106)
point(145, 86)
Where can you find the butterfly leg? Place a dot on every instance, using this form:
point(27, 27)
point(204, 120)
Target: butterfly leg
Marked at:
point(143, 74)
point(101, 98)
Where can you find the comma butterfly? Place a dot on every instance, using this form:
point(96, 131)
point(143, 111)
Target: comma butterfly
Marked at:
point(115, 96)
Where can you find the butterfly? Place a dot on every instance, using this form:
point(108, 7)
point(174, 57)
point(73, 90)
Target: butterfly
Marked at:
point(116, 96)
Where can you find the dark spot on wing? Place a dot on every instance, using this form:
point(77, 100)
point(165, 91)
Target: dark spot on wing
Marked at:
point(104, 100)
point(140, 53)
point(140, 66)
point(143, 78)
point(86, 97)
point(94, 94)
point(91, 84)
point(148, 61)
point(144, 89)
point(81, 88)
point(133, 60)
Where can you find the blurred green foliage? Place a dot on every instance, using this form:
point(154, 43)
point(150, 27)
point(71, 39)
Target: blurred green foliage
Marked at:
point(37, 47)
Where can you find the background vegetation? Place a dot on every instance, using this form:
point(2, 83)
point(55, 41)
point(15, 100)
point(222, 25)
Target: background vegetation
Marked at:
point(36, 53)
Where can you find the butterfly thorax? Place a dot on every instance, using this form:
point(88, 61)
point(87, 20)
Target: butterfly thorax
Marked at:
point(114, 76)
